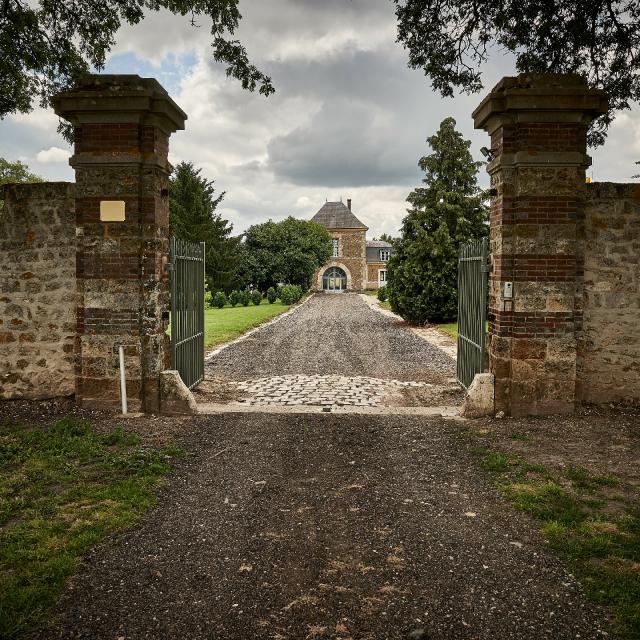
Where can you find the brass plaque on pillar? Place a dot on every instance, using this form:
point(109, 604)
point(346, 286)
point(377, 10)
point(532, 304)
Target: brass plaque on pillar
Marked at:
point(111, 210)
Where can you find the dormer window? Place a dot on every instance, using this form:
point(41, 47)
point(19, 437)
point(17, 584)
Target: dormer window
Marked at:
point(384, 255)
point(336, 248)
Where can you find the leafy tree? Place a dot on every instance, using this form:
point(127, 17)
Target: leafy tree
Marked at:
point(446, 212)
point(13, 172)
point(193, 217)
point(385, 237)
point(46, 44)
point(288, 251)
point(16, 172)
point(450, 39)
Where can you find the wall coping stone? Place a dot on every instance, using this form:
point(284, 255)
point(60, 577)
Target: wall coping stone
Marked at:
point(109, 98)
point(540, 97)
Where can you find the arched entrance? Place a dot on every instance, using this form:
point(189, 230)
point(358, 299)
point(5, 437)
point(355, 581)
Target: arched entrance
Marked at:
point(334, 280)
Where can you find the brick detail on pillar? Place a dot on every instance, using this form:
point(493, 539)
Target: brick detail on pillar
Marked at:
point(122, 125)
point(538, 126)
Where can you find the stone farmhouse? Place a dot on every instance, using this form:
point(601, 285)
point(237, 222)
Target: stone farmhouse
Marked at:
point(356, 263)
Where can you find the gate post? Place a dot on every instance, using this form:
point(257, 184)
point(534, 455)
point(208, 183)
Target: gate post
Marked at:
point(122, 125)
point(538, 125)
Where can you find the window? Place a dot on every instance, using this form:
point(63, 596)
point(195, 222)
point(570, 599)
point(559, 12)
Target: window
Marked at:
point(336, 248)
point(382, 276)
point(384, 255)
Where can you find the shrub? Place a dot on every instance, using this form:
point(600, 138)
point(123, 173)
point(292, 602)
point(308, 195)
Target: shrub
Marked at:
point(219, 299)
point(208, 298)
point(234, 298)
point(245, 298)
point(290, 293)
point(256, 297)
point(382, 294)
point(272, 295)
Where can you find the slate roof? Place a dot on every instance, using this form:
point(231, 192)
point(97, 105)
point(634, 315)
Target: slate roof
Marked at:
point(336, 215)
point(379, 244)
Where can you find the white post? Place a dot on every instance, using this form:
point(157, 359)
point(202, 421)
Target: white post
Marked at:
point(123, 382)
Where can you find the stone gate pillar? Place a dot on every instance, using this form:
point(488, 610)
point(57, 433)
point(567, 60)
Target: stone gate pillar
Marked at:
point(122, 125)
point(538, 125)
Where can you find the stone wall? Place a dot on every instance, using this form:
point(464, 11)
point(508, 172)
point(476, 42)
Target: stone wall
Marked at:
point(37, 290)
point(352, 256)
point(372, 274)
point(608, 367)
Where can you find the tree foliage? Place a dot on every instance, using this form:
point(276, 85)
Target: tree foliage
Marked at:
point(288, 251)
point(14, 172)
point(46, 44)
point(600, 39)
point(446, 212)
point(17, 171)
point(193, 217)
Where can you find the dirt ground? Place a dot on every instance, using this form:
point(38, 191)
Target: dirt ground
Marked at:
point(321, 526)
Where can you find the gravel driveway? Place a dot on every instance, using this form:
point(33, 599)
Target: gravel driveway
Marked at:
point(338, 335)
point(325, 526)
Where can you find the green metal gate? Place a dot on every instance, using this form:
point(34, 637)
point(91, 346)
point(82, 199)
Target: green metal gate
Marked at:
point(473, 267)
point(186, 272)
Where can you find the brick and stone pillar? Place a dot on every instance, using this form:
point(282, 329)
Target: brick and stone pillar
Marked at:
point(538, 125)
point(122, 125)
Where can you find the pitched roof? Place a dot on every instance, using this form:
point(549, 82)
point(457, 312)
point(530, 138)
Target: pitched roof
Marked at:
point(336, 215)
point(381, 244)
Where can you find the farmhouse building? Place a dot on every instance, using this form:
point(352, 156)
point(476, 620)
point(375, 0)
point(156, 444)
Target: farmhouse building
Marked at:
point(356, 263)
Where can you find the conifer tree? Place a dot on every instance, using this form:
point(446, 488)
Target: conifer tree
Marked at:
point(445, 212)
point(193, 217)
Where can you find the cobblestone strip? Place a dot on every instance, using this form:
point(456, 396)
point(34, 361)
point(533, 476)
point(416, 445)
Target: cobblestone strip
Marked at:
point(322, 390)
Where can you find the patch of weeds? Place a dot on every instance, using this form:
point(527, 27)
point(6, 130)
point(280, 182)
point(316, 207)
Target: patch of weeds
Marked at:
point(495, 461)
point(582, 479)
point(576, 519)
point(62, 490)
point(521, 437)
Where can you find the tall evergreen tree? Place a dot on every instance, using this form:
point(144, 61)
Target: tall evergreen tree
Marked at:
point(446, 212)
point(193, 217)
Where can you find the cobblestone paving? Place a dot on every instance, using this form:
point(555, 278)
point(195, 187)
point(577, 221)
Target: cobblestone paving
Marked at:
point(325, 391)
point(335, 351)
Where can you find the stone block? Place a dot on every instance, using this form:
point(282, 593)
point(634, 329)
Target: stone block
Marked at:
point(175, 397)
point(479, 401)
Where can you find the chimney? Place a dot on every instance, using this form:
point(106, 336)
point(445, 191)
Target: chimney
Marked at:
point(349, 204)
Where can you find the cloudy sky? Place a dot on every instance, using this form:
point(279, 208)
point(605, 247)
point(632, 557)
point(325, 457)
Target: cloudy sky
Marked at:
point(349, 119)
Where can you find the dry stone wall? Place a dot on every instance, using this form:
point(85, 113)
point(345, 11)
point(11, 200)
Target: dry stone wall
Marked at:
point(37, 290)
point(609, 351)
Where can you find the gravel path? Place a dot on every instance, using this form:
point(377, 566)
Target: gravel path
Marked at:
point(321, 353)
point(334, 334)
point(325, 526)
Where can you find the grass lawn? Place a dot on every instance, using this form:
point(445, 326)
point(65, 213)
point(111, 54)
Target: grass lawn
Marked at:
point(374, 294)
point(63, 489)
point(222, 325)
point(591, 520)
point(451, 328)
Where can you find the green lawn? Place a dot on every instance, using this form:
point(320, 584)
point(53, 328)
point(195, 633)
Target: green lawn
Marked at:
point(592, 521)
point(374, 294)
point(450, 328)
point(63, 488)
point(222, 325)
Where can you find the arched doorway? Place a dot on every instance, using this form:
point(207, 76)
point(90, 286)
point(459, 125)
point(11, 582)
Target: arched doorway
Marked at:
point(334, 280)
